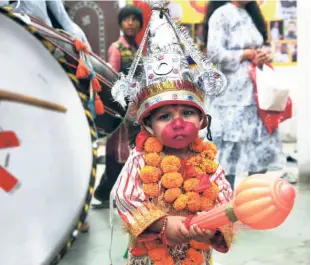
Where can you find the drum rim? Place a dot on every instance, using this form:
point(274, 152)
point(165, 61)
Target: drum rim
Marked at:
point(62, 250)
point(64, 36)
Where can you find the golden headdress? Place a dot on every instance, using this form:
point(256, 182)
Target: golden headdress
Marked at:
point(165, 76)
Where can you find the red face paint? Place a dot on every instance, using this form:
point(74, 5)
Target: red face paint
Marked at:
point(179, 133)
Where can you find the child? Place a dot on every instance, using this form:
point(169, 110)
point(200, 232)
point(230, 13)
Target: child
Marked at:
point(170, 174)
point(122, 52)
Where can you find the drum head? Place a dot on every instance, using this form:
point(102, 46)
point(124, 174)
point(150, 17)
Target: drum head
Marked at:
point(54, 158)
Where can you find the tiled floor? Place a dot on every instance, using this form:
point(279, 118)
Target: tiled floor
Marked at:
point(287, 245)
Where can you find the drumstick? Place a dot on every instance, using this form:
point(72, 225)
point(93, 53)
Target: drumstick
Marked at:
point(17, 97)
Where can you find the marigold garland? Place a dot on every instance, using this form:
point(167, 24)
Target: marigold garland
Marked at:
point(153, 145)
point(172, 180)
point(149, 174)
point(151, 189)
point(152, 159)
point(211, 192)
point(172, 194)
point(162, 173)
point(207, 204)
point(194, 201)
point(181, 202)
point(198, 145)
point(170, 164)
point(191, 184)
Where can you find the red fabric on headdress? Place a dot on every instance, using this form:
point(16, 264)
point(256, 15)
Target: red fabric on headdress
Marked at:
point(146, 10)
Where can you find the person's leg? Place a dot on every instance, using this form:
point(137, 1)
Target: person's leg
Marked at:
point(231, 180)
point(112, 171)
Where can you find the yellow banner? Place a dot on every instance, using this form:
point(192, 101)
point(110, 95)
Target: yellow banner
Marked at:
point(192, 11)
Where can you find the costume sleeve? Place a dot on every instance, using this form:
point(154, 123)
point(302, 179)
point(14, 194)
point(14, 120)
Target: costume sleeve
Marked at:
point(218, 37)
point(225, 235)
point(114, 57)
point(133, 207)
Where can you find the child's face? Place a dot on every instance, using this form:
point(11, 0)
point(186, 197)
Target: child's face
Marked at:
point(130, 26)
point(176, 126)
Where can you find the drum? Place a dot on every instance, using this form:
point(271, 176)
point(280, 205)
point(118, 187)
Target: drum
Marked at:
point(64, 47)
point(47, 163)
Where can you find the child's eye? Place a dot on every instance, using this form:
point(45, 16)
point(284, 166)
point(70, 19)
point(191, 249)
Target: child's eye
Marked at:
point(188, 112)
point(164, 117)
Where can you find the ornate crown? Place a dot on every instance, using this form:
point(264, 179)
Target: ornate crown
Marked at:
point(165, 76)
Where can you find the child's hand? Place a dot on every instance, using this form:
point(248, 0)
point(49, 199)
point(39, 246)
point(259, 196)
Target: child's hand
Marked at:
point(176, 231)
point(201, 235)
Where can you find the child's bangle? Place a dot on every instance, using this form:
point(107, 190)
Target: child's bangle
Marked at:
point(162, 234)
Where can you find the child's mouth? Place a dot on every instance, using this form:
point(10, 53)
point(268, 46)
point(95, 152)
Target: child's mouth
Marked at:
point(179, 137)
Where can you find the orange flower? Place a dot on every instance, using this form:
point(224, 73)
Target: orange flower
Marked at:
point(199, 245)
point(207, 204)
point(153, 145)
point(153, 159)
point(198, 145)
point(172, 180)
point(195, 256)
point(202, 165)
point(168, 260)
point(157, 254)
point(150, 174)
point(181, 202)
point(210, 146)
point(210, 166)
point(199, 170)
point(151, 189)
point(188, 261)
point(170, 164)
point(172, 194)
point(212, 192)
point(194, 202)
point(195, 161)
point(210, 154)
point(191, 184)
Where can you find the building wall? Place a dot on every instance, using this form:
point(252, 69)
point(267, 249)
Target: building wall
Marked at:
point(99, 21)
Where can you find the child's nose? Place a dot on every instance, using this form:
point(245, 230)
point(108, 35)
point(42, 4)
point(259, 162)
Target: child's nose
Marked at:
point(178, 123)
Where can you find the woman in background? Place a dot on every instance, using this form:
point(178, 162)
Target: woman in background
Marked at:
point(236, 33)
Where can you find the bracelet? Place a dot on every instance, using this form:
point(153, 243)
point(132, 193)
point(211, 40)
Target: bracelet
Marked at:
point(162, 234)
